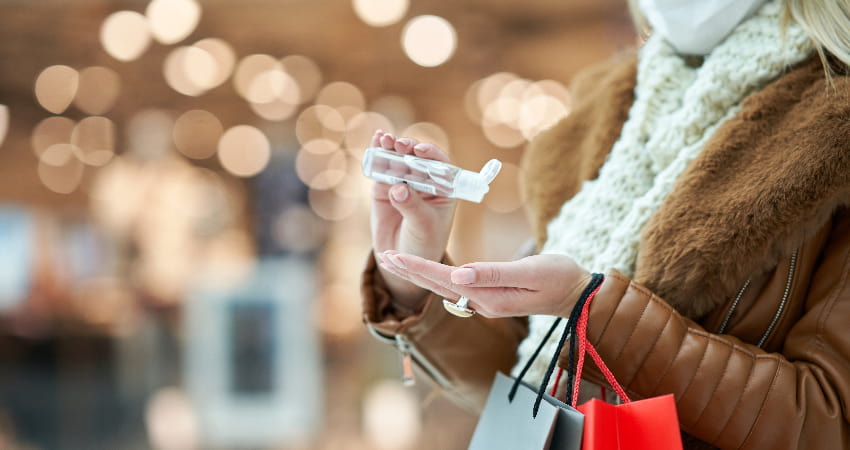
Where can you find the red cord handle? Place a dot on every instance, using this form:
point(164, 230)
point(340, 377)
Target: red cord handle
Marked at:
point(584, 345)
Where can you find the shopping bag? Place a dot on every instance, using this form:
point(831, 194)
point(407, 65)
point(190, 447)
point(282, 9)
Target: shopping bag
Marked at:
point(510, 425)
point(649, 424)
point(518, 417)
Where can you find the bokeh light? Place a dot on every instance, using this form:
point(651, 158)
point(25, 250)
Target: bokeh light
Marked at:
point(50, 131)
point(513, 110)
point(361, 128)
point(429, 40)
point(196, 134)
point(59, 170)
point(328, 205)
point(429, 132)
point(171, 21)
point(125, 35)
point(201, 67)
point(244, 151)
point(306, 73)
point(320, 122)
point(273, 85)
point(149, 134)
point(248, 69)
point(390, 416)
point(502, 135)
point(340, 94)
point(321, 170)
point(488, 89)
point(98, 90)
point(185, 60)
point(275, 110)
point(397, 109)
point(224, 56)
point(380, 13)
point(171, 421)
point(321, 146)
point(539, 113)
point(56, 87)
point(118, 194)
point(94, 140)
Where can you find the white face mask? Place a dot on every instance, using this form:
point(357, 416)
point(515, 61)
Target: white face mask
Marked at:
point(694, 27)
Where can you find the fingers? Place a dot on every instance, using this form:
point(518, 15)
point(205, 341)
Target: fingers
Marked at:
point(437, 273)
point(519, 274)
point(409, 204)
point(430, 151)
point(416, 279)
point(408, 146)
point(426, 283)
point(376, 138)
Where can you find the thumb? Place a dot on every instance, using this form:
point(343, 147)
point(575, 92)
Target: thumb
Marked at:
point(408, 203)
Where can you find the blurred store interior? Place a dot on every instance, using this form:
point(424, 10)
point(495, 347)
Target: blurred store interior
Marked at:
point(183, 220)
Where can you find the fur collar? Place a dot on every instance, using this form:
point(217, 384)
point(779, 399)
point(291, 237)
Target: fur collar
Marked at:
point(766, 181)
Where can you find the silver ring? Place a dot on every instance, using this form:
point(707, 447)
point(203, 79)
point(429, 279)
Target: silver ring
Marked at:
point(460, 309)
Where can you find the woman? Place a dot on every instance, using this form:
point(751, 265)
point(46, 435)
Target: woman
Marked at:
point(708, 177)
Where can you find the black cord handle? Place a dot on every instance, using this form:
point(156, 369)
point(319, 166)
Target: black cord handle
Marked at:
point(595, 281)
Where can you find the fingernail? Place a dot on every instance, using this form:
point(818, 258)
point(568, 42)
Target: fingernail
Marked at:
point(399, 192)
point(404, 141)
point(463, 276)
point(397, 261)
point(421, 146)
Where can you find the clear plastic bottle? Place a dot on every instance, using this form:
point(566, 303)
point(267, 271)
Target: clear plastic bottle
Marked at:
point(429, 176)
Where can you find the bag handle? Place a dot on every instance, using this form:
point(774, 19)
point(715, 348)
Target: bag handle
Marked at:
point(585, 345)
point(589, 291)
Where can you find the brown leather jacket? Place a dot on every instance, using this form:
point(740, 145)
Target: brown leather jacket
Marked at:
point(740, 304)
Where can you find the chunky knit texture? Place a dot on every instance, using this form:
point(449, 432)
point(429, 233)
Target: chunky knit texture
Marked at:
point(677, 109)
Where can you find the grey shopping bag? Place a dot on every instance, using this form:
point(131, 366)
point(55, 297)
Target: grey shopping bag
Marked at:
point(510, 425)
point(519, 417)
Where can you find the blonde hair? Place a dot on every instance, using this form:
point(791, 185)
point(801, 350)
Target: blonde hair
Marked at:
point(827, 22)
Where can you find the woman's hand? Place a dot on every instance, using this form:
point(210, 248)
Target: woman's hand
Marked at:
point(539, 284)
point(407, 220)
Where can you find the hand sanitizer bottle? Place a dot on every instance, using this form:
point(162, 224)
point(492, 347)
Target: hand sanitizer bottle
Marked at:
point(429, 176)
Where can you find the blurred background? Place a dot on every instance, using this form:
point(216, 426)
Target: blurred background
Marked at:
point(183, 220)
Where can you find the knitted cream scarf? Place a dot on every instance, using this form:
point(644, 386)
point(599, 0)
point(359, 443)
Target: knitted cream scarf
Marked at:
point(677, 109)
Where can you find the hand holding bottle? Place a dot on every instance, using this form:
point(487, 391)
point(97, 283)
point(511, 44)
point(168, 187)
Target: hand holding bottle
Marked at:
point(409, 221)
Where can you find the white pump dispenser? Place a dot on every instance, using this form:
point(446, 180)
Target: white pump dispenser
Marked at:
point(429, 176)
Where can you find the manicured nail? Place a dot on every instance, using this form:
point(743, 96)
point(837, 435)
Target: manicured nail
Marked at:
point(399, 192)
point(397, 261)
point(463, 275)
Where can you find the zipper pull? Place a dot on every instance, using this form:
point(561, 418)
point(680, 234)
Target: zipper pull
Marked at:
point(407, 377)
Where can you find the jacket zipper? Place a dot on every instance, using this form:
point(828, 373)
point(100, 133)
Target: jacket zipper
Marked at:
point(733, 307)
point(409, 354)
point(785, 294)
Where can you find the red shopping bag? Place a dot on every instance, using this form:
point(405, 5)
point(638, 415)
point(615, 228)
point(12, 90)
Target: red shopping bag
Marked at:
point(649, 424)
